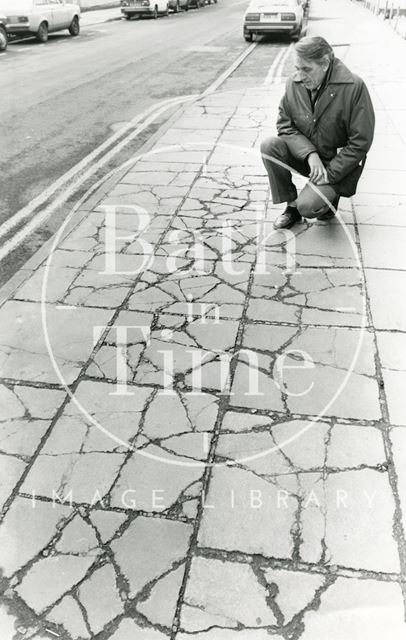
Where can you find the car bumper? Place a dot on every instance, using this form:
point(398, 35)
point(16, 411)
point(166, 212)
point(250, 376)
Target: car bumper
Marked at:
point(19, 27)
point(271, 27)
point(140, 10)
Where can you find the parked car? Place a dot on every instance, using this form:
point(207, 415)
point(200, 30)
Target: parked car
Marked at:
point(273, 16)
point(177, 5)
point(3, 33)
point(40, 17)
point(201, 3)
point(151, 8)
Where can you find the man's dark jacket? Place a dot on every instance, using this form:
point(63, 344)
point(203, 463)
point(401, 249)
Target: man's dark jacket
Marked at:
point(343, 121)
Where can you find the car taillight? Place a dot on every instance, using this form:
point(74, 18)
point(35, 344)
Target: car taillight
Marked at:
point(252, 17)
point(288, 16)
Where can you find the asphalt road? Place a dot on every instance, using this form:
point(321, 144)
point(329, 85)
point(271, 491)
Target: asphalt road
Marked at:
point(63, 99)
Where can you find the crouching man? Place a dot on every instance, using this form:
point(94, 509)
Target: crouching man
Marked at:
point(325, 129)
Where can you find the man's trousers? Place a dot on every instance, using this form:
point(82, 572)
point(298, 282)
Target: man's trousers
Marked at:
point(310, 202)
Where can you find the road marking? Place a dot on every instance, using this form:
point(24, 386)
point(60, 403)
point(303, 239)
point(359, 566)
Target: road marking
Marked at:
point(274, 68)
point(26, 211)
point(42, 215)
point(214, 85)
point(278, 75)
point(77, 170)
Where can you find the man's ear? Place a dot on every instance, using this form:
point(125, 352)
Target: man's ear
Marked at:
point(325, 62)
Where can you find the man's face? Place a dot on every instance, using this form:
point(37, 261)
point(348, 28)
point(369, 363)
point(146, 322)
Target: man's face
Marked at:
point(310, 72)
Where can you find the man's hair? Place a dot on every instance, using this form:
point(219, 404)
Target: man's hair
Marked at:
point(314, 48)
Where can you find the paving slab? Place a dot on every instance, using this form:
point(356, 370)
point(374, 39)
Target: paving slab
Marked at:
point(388, 307)
point(351, 608)
point(382, 248)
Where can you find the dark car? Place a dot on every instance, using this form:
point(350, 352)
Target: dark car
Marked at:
point(3, 33)
point(196, 4)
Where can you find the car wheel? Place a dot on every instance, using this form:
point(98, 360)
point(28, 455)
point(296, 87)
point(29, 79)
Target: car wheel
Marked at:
point(247, 36)
point(42, 33)
point(297, 34)
point(155, 14)
point(176, 8)
point(74, 28)
point(3, 39)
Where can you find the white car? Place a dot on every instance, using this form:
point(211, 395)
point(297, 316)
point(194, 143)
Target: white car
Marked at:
point(273, 16)
point(40, 17)
point(3, 33)
point(152, 8)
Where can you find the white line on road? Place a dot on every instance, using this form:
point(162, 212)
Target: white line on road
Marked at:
point(214, 85)
point(77, 170)
point(42, 215)
point(274, 68)
point(278, 74)
point(26, 211)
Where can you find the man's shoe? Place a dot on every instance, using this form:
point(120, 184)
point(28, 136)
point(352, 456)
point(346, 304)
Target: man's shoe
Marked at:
point(287, 219)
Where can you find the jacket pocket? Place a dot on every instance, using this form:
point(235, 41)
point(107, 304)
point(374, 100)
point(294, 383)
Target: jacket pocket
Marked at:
point(348, 186)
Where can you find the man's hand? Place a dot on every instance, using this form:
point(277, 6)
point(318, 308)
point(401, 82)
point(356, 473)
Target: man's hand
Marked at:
point(318, 173)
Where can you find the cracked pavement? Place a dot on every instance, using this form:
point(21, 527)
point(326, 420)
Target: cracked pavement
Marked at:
point(217, 447)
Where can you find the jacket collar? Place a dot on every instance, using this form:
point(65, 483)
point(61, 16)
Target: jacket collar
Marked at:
point(340, 74)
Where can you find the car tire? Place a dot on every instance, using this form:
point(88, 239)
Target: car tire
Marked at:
point(176, 8)
point(297, 34)
point(248, 36)
point(155, 14)
point(3, 38)
point(74, 28)
point(42, 33)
